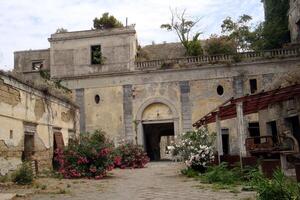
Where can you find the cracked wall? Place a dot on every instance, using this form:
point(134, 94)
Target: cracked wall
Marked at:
point(21, 105)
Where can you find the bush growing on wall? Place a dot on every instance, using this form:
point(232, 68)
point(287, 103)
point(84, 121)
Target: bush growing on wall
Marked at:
point(195, 148)
point(130, 156)
point(91, 157)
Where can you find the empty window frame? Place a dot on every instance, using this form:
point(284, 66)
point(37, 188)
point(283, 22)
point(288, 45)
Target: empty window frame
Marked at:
point(225, 141)
point(37, 65)
point(96, 55)
point(272, 130)
point(253, 85)
point(253, 128)
point(294, 125)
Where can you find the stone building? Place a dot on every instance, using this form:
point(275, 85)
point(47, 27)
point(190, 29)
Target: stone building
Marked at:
point(146, 101)
point(33, 122)
point(294, 20)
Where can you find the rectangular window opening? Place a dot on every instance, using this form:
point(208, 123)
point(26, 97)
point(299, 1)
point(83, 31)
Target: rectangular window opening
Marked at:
point(253, 85)
point(272, 130)
point(253, 128)
point(96, 55)
point(225, 141)
point(294, 125)
point(37, 65)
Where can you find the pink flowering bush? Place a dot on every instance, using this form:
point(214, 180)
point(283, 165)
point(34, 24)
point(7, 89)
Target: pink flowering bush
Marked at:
point(92, 157)
point(130, 156)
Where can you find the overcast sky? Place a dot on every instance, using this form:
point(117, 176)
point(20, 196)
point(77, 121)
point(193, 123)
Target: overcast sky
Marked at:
point(27, 24)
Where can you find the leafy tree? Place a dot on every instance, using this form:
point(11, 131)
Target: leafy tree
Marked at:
point(239, 31)
point(275, 31)
point(219, 45)
point(106, 22)
point(184, 27)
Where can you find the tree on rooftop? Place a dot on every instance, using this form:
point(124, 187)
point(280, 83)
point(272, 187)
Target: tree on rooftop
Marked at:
point(219, 45)
point(275, 31)
point(106, 22)
point(239, 31)
point(184, 28)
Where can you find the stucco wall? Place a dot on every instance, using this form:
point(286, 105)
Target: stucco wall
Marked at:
point(71, 52)
point(20, 104)
point(157, 86)
point(108, 113)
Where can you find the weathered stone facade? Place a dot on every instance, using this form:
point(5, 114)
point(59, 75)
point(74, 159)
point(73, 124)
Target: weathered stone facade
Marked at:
point(124, 97)
point(28, 111)
point(294, 20)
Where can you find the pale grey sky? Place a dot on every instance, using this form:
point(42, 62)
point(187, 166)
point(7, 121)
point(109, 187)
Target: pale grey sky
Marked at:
point(27, 24)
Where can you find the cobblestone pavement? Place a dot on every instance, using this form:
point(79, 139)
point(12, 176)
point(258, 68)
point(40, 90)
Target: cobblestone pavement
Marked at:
point(160, 180)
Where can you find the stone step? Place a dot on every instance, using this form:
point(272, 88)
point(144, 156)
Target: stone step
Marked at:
point(7, 196)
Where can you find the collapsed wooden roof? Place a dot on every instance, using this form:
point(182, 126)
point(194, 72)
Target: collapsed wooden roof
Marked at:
point(251, 104)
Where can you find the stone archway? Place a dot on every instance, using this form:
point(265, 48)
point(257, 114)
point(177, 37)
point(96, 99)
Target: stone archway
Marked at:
point(156, 112)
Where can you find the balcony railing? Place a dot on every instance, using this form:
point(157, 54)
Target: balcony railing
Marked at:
point(262, 143)
point(200, 60)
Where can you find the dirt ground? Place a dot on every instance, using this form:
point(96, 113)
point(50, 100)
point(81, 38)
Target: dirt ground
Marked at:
point(159, 180)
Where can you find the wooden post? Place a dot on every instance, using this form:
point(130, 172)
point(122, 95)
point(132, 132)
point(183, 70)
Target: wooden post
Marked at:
point(219, 138)
point(241, 130)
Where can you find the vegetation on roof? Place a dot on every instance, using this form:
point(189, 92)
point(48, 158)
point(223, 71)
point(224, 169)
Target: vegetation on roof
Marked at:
point(107, 22)
point(48, 87)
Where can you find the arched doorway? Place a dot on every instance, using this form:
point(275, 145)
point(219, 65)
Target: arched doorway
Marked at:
point(157, 125)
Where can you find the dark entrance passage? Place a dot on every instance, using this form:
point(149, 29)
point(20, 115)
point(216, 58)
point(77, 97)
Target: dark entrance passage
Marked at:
point(153, 134)
point(293, 123)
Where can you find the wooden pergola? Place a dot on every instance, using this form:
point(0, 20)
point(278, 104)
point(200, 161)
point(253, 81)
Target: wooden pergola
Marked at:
point(238, 107)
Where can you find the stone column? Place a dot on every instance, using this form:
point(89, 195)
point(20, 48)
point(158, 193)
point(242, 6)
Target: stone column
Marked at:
point(185, 106)
point(241, 128)
point(127, 113)
point(80, 102)
point(219, 138)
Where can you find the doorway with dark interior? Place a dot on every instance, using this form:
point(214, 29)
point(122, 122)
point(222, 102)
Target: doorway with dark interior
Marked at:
point(152, 138)
point(294, 125)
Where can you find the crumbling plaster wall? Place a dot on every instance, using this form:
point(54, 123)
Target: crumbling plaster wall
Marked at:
point(23, 62)
point(31, 106)
point(200, 84)
point(71, 55)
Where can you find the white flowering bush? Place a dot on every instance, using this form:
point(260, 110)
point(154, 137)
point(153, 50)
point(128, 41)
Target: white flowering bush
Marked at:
point(195, 148)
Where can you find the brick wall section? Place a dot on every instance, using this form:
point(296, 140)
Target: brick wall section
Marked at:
point(186, 114)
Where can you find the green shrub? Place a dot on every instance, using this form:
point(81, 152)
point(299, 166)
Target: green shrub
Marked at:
point(189, 172)
point(24, 175)
point(222, 175)
point(278, 188)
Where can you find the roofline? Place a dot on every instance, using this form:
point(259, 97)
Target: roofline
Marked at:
point(31, 50)
point(3, 73)
point(91, 33)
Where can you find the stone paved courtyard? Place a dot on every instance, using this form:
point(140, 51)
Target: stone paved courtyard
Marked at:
point(160, 180)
